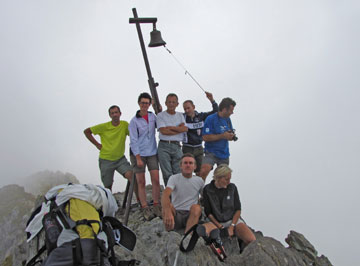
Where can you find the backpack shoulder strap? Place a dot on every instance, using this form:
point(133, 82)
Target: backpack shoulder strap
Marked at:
point(194, 238)
point(34, 261)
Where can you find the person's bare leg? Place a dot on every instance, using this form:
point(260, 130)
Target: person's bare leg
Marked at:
point(140, 179)
point(209, 227)
point(205, 170)
point(244, 233)
point(154, 174)
point(195, 213)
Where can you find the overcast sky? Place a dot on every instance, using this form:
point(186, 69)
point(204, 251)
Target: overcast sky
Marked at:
point(291, 66)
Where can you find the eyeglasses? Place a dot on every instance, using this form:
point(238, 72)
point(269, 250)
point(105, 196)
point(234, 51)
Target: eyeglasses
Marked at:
point(144, 103)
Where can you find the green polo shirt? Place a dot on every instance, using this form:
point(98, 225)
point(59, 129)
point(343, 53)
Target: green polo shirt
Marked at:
point(112, 139)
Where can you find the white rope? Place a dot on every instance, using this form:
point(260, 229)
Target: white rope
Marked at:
point(186, 72)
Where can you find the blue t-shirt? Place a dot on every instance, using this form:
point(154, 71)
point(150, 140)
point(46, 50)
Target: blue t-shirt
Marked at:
point(214, 124)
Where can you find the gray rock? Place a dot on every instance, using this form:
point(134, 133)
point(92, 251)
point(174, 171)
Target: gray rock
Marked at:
point(155, 246)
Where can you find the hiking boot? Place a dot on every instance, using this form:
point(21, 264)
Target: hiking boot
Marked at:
point(157, 210)
point(147, 213)
point(241, 245)
point(215, 237)
point(217, 245)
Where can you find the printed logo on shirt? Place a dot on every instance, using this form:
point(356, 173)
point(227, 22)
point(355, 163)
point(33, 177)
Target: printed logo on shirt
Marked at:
point(207, 130)
point(195, 125)
point(228, 197)
point(223, 128)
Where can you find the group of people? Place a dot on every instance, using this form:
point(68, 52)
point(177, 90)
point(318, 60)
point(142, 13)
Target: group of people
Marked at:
point(179, 153)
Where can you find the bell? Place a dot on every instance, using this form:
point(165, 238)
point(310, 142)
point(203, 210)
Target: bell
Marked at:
point(155, 39)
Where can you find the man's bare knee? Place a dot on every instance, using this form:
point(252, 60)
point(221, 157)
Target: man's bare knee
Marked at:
point(195, 210)
point(141, 181)
point(205, 170)
point(128, 175)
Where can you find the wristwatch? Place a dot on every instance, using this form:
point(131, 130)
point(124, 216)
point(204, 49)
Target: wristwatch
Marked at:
point(233, 225)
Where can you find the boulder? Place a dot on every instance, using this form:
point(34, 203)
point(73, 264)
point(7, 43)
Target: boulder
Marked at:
point(155, 246)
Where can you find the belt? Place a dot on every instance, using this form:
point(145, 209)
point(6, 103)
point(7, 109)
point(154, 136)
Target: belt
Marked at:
point(171, 141)
point(193, 146)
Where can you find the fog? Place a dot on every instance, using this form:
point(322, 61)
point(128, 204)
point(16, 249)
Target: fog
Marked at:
point(292, 68)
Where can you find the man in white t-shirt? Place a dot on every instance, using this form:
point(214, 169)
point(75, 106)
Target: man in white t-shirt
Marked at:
point(171, 125)
point(183, 209)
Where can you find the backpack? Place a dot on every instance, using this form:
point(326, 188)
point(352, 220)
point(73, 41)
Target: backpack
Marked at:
point(79, 227)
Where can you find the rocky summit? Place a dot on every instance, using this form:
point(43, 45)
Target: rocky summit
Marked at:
point(156, 247)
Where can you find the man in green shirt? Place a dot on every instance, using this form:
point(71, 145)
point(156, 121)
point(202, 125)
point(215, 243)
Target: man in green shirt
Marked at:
point(112, 147)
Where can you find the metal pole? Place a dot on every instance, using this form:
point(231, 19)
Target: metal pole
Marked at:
point(151, 81)
point(126, 195)
point(129, 198)
point(129, 190)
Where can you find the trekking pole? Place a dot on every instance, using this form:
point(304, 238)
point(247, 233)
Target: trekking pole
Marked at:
point(129, 198)
point(126, 195)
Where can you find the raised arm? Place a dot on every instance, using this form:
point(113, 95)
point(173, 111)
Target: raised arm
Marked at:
point(214, 104)
point(91, 138)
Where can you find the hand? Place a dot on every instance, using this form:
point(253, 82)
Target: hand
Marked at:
point(99, 146)
point(139, 162)
point(209, 96)
point(228, 135)
point(168, 220)
point(231, 230)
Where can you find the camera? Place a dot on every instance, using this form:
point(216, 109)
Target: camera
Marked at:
point(235, 138)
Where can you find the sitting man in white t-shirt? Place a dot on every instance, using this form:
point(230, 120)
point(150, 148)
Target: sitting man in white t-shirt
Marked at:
point(183, 209)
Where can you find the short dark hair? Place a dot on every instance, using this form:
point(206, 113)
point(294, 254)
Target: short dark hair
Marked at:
point(114, 106)
point(187, 155)
point(144, 95)
point(172, 95)
point(188, 101)
point(226, 103)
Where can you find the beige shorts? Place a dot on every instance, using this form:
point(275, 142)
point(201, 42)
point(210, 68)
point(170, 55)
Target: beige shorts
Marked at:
point(150, 161)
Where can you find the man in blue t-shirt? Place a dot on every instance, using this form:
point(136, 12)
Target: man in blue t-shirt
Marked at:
point(217, 132)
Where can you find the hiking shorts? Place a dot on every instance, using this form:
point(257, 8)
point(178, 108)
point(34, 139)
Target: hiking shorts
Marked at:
point(211, 159)
point(228, 223)
point(107, 169)
point(150, 161)
point(181, 218)
point(198, 153)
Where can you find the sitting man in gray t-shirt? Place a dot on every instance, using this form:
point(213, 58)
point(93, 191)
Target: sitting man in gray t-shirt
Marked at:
point(183, 209)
